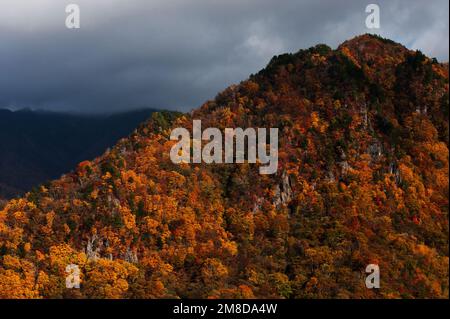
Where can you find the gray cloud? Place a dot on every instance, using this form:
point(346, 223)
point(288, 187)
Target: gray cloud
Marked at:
point(176, 54)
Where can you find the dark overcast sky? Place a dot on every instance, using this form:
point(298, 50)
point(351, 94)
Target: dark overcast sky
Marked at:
point(176, 54)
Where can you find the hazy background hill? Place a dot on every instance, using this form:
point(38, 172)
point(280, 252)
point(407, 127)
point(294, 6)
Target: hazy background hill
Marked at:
point(36, 146)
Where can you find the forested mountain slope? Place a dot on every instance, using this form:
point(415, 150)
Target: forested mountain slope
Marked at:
point(362, 179)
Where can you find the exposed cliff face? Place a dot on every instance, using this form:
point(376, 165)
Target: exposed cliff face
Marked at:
point(362, 179)
point(283, 191)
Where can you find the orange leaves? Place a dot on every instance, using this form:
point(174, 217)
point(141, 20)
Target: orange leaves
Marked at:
point(77, 203)
point(152, 262)
point(47, 228)
point(213, 270)
point(349, 55)
point(317, 123)
point(84, 168)
point(240, 292)
point(94, 194)
point(250, 88)
point(129, 220)
point(20, 218)
point(62, 255)
point(11, 262)
point(176, 180)
point(17, 278)
point(229, 248)
point(150, 226)
point(14, 286)
point(108, 279)
point(27, 247)
point(421, 128)
point(131, 180)
point(315, 119)
point(406, 173)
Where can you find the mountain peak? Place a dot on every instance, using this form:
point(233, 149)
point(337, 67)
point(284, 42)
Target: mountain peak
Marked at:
point(370, 41)
point(362, 179)
point(370, 49)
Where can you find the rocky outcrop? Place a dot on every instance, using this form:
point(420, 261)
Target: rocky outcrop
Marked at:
point(283, 191)
point(375, 150)
point(131, 256)
point(93, 248)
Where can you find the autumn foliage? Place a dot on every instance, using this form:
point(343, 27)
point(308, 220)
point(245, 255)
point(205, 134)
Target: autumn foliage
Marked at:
point(362, 179)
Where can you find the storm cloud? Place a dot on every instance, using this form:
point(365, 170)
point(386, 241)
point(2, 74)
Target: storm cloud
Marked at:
point(176, 54)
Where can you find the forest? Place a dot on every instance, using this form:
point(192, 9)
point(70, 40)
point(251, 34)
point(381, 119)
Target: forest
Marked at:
point(362, 179)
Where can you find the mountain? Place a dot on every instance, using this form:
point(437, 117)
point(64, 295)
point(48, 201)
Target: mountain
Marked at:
point(38, 146)
point(362, 180)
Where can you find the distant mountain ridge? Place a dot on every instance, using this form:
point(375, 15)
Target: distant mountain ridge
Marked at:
point(37, 146)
